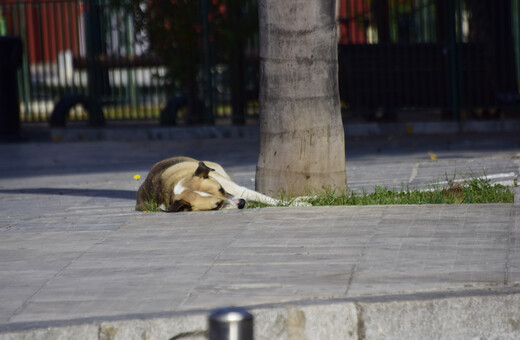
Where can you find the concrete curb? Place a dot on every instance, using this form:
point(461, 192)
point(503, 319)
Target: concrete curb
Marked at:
point(424, 128)
point(474, 314)
point(153, 132)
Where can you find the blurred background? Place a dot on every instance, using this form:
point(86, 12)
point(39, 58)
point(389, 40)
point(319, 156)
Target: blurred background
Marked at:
point(182, 62)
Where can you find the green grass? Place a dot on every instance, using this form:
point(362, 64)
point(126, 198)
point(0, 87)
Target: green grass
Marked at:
point(151, 206)
point(477, 190)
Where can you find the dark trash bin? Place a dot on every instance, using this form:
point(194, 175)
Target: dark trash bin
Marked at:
point(10, 59)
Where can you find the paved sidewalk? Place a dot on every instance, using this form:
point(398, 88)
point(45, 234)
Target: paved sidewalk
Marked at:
point(76, 261)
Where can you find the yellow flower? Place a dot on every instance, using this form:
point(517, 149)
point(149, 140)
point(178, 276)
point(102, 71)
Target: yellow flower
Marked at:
point(137, 177)
point(433, 156)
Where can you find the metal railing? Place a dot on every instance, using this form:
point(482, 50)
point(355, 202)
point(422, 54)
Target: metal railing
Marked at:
point(76, 49)
point(451, 55)
point(419, 56)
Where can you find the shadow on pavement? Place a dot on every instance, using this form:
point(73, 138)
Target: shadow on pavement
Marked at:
point(108, 193)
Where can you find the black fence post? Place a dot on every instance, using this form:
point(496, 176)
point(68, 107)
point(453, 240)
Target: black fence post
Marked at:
point(97, 76)
point(207, 96)
point(10, 59)
point(237, 68)
point(454, 57)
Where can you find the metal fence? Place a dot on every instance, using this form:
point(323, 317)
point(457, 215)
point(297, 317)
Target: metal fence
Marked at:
point(76, 51)
point(450, 55)
point(427, 57)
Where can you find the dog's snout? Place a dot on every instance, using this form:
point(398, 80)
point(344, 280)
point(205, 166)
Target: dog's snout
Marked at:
point(241, 203)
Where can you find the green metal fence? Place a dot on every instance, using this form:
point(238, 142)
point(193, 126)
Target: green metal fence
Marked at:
point(453, 56)
point(456, 59)
point(79, 52)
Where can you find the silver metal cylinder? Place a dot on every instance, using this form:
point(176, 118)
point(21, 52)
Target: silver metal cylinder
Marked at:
point(230, 323)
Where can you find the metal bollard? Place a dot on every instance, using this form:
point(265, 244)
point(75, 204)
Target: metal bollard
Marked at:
point(230, 323)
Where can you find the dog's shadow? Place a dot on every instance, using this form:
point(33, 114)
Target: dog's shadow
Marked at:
point(107, 193)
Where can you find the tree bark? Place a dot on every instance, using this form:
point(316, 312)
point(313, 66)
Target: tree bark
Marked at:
point(302, 144)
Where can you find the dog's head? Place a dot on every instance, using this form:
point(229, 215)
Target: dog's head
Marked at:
point(202, 192)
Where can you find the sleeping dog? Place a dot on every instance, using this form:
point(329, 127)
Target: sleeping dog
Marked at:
point(185, 184)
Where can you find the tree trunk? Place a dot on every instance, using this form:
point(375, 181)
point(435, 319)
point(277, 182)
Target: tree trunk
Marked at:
point(302, 145)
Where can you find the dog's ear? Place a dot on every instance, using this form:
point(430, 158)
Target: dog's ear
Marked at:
point(179, 205)
point(203, 170)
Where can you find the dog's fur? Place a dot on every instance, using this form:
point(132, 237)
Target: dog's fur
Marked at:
point(185, 184)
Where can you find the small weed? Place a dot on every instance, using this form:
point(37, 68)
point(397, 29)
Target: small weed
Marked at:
point(151, 206)
point(255, 205)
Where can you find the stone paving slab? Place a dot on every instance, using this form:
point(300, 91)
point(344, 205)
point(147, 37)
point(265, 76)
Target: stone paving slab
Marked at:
point(152, 265)
point(76, 259)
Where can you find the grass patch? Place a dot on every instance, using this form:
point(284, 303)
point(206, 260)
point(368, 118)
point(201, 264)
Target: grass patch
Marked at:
point(256, 205)
point(476, 190)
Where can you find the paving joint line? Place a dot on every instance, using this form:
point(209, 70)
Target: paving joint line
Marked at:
point(361, 257)
point(212, 265)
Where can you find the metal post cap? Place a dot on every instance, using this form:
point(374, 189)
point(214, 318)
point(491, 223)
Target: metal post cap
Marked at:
point(230, 323)
point(229, 314)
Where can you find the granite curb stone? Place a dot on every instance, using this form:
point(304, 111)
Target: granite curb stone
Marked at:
point(481, 314)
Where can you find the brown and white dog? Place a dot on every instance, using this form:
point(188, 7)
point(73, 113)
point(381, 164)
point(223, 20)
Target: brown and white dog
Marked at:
point(185, 184)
